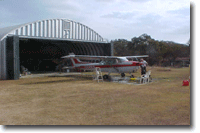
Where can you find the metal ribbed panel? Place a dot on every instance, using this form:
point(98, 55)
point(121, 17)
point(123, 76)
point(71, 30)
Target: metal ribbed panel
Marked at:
point(43, 32)
point(55, 28)
point(39, 29)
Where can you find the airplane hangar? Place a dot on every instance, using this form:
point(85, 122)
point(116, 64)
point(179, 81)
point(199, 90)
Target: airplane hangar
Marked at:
point(40, 45)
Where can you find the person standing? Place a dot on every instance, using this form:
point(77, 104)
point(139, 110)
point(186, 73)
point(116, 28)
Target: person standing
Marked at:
point(143, 66)
point(23, 70)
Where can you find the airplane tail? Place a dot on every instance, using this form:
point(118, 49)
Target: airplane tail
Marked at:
point(75, 61)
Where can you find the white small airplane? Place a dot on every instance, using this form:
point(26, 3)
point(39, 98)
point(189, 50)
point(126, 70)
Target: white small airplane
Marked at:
point(110, 64)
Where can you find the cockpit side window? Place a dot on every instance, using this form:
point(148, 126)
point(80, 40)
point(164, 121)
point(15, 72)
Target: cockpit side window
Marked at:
point(135, 59)
point(113, 61)
point(109, 62)
point(119, 60)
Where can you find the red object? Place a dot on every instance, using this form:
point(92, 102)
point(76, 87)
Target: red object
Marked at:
point(185, 83)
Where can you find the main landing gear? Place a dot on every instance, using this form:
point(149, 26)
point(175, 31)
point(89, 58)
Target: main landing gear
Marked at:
point(105, 76)
point(122, 75)
point(132, 76)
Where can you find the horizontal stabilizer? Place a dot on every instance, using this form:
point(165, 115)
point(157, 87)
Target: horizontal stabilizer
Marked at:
point(67, 67)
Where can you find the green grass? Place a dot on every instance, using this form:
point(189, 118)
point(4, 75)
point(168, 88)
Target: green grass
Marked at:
point(65, 101)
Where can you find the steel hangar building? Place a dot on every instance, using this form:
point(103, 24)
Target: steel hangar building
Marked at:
point(39, 45)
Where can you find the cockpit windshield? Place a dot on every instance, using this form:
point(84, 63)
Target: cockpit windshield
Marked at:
point(122, 59)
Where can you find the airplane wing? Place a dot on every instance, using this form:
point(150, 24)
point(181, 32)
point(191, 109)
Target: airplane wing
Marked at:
point(90, 57)
point(137, 56)
point(93, 57)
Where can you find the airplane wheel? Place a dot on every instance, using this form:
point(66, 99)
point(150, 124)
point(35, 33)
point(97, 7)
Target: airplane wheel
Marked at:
point(105, 76)
point(122, 75)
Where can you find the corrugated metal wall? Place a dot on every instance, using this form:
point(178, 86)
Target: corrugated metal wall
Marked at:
point(12, 57)
point(3, 59)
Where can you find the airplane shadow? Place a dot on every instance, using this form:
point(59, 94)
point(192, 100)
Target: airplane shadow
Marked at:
point(47, 82)
point(73, 78)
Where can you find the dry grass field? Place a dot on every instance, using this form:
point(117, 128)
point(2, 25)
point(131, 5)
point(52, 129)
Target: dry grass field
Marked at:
point(69, 101)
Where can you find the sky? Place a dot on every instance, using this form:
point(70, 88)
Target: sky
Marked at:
point(167, 20)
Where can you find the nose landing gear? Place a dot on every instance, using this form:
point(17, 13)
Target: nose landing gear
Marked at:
point(132, 76)
point(122, 74)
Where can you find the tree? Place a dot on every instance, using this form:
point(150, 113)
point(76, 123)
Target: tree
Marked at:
point(158, 51)
point(120, 47)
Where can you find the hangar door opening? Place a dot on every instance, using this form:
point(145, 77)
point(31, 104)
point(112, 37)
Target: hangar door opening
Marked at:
point(40, 55)
point(44, 55)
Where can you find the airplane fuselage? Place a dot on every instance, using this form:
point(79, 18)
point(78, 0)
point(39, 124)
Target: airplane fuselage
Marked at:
point(123, 67)
point(110, 64)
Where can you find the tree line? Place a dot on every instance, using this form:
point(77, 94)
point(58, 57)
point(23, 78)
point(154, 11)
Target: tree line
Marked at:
point(158, 51)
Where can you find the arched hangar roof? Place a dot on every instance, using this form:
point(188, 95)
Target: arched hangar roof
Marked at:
point(53, 28)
